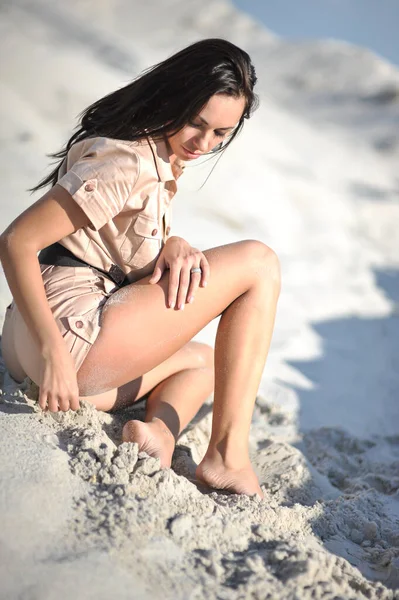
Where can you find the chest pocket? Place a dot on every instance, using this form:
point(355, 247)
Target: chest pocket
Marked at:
point(142, 242)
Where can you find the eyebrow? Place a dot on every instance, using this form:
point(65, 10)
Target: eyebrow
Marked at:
point(206, 123)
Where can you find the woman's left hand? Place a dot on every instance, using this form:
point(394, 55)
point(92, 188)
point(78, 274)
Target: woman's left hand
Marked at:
point(179, 257)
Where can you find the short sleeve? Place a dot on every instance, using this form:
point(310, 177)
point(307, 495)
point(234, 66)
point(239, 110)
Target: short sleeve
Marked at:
point(102, 179)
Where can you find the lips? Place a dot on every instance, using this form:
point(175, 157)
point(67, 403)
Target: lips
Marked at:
point(189, 152)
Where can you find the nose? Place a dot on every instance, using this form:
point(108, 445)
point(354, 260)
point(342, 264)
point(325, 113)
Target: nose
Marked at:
point(203, 142)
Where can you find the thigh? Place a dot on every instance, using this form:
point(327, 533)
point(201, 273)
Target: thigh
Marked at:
point(9, 336)
point(192, 355)
point(138, 330)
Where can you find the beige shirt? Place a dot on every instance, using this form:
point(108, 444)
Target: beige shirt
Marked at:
point(126, 189)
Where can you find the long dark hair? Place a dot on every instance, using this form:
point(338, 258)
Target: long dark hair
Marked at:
point(165, 97)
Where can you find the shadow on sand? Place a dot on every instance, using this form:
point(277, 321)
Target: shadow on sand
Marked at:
point(356, 381)
point(349, 421)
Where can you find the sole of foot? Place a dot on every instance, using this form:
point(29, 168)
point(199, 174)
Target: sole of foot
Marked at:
point(152, 438)
point(237, 481)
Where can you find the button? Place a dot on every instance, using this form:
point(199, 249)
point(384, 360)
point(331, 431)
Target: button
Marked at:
point(168, 230)
point(79, 324)
point(89, 187)
point(154, 232)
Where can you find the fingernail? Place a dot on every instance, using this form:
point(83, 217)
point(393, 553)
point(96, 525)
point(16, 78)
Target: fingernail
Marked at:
point(205, 283)
point(181, 307)
point(191, 299)
point(172, 305)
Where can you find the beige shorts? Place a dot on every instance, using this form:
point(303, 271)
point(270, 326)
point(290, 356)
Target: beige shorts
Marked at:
point(76, 296)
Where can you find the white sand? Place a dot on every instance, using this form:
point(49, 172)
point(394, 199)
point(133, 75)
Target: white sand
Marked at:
point(314, 175)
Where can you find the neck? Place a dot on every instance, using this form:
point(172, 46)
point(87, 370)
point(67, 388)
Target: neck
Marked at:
point(172, 157)
point(176, 163)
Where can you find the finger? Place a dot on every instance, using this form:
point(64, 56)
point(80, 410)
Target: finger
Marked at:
point(52, 402)
point(174, 279)
point(183, 286)
point(206, 271)
point(158, 271)
point(74, 401)
point(63, 404)
point(43, 399)
point(194, 283)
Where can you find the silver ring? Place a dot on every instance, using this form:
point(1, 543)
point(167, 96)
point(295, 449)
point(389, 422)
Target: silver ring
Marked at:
point(196, 270)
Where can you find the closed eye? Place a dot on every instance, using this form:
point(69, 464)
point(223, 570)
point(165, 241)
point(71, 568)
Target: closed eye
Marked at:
point(217, 133)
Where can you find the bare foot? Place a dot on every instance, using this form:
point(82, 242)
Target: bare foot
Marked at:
point(154, 438)
point(217, 475)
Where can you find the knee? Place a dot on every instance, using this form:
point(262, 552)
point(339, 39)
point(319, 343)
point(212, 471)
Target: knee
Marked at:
point(204, 355)
point(263, 262)
point(202, 359)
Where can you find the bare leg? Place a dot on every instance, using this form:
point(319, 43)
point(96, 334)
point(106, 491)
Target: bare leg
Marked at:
point(139, 332)
point(179, 387)
point(242, 343)
point(170, 407)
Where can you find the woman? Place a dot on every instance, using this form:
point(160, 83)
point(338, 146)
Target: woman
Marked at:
point(108, 309)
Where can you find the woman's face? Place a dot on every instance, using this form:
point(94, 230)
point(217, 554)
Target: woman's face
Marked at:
point(211, 126)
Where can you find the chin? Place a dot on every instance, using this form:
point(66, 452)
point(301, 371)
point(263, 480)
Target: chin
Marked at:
point(180, 154)
point(176, 151)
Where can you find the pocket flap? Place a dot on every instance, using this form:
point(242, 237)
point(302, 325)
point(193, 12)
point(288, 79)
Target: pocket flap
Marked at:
point(146, 227)
point(85, 326)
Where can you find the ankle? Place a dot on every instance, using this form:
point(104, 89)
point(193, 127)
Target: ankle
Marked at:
point(231, 451)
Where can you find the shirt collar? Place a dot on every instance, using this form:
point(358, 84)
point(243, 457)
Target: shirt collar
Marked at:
point(161, 159)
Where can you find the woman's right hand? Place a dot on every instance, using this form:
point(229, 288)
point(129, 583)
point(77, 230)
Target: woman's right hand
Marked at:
point(58, 386)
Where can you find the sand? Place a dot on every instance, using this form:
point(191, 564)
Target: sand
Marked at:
point(314, 175)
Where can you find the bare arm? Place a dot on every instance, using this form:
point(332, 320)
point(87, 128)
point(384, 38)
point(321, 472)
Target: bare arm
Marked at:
point(51, 218)
point(48, 220)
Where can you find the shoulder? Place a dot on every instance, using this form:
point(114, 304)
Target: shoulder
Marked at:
point(114, 158)
point(102, 157)
point(145, 157)
point(102, 147)
point(143, 151)
point(100, 175)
